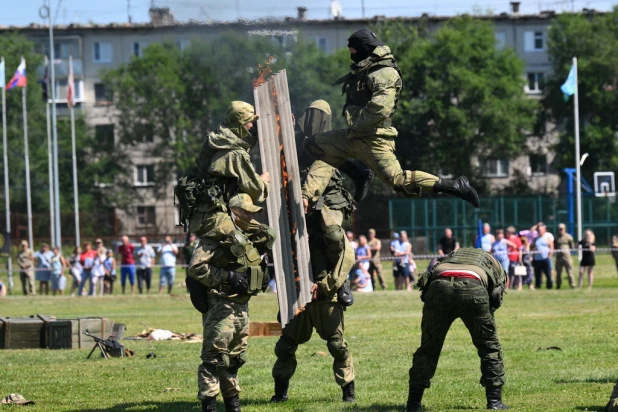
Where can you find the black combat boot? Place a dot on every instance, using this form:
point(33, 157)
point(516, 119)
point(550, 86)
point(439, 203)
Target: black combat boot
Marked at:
point(494, 398)
point(348, 392)
point(209, 404)
point(459, 187)
point(281, 391)
point(415, 395)
point(362, 178)
point(232, 404)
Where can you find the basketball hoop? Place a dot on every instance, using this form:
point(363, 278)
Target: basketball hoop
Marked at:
point(611, 196)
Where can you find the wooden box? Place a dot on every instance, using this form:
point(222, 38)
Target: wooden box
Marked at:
point(24, 333)
point(264, 329)
point(99, 327)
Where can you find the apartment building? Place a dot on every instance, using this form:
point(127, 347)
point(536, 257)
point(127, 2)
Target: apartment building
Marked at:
point(98, 47)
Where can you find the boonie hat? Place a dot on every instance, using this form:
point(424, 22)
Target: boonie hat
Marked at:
point(16, 399)
point(244, 202)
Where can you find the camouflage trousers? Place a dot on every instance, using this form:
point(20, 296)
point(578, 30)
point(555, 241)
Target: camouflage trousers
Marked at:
point(226, 329)
point(445, 301)
point(378, 153)
point(327, 319)
point(567, 265)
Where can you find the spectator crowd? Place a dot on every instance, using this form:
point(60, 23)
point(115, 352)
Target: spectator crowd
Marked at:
point(92, 270)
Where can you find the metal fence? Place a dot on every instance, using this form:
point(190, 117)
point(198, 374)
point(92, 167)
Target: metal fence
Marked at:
point(426, 218)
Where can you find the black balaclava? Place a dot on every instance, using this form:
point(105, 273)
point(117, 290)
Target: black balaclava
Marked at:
point(364, 42)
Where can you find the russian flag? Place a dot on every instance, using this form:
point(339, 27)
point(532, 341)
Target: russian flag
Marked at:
point(19, 78)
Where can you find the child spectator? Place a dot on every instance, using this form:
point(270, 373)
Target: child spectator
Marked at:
point(97, 273)
point(109, 265)
point(362, 280)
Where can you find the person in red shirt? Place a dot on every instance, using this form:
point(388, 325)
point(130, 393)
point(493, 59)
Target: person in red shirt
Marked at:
point(87, 261)
point(515, 254)
point(127, 264)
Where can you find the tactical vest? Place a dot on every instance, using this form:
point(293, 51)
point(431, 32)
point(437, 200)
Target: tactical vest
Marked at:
point(357, 92)
point(335, 196)
point(496, 275)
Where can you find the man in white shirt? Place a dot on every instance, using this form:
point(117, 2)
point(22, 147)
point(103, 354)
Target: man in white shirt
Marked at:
point(145, 255)
point(168, 252)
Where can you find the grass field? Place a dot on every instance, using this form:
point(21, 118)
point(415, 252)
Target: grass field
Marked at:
point(382, 329)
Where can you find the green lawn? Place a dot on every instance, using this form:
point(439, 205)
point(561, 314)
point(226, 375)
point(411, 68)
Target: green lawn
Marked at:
point(383, 330)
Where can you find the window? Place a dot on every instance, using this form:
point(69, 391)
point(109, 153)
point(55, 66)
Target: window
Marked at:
point(500, 40)
point(61, 90)
point(146, 216)
point(138, 48)
point(144, 175)
point(102, 52)
point(183, 44)
point(534, 41)
point(536, 82)
point(104, 135)
point(538, 164)
point(496, 168)
point(101, 94)
point(322, 44)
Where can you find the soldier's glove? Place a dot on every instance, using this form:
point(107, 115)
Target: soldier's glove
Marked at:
point(495, 300)
point(344, 295)
point(237, 283)
point(199, 294)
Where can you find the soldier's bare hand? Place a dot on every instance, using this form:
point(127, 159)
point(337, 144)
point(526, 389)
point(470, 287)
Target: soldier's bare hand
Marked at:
point(265, 177)
point(305, 205)
point(314, 291)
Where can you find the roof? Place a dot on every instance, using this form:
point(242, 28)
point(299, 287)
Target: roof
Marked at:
point(270, 22)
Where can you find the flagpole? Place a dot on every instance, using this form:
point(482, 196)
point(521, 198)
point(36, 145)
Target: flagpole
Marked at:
point(6, 180)
point(27, 161)
point(54, 131)
point(577, 157)
point(52, 228)
point(75, 192)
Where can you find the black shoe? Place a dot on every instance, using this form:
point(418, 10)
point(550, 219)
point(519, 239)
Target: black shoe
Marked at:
point(232, 404)
point(414, 407)
point(459, 187)
point(494, 398)
point(281, 391)
point(348, 392)
point(209, 404)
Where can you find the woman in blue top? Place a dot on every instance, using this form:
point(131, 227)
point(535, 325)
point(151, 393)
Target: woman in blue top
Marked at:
point(43, 267)
point(543, 247)
point(500, 249)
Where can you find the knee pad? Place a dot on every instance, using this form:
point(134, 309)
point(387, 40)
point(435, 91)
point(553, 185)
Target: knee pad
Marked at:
point(336, 348)
point(285, 347)
point(334, 241)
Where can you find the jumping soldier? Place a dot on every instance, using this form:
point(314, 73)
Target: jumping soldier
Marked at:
point(467, 284)
point(372, 89)
point(328, 204)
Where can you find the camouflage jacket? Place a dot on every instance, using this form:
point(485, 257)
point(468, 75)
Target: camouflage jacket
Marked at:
point(224, 155)
point(372, 89)
point(323, 180)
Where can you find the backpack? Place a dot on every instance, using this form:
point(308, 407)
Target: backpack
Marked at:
point(187, 194)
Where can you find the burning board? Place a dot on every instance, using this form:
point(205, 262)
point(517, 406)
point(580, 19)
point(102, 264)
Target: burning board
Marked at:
point(284, 203)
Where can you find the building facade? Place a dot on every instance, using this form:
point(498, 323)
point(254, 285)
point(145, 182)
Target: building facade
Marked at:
point(95, 48)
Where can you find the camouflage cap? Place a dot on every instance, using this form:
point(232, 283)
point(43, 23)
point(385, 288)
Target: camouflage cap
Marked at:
point(243, 201)
point(240, 113)
point(321, 105)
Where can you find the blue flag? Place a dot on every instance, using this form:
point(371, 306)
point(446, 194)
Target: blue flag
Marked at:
point(479, 234)
point(568, 88)
point(2, 75)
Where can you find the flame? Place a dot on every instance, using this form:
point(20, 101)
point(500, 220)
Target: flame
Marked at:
point(263, 72)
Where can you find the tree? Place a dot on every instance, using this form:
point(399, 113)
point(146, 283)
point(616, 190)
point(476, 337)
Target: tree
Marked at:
point(174, 98)
point(13, 47)
point(593, 39)
point(462, 97)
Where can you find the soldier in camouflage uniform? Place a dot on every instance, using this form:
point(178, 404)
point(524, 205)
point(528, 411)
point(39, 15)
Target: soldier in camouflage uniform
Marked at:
point(332, 257)
point(467, 284)
point(372, 89)
point(226, 267)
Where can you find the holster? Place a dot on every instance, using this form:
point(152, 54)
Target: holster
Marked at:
point(198, 294)
point(495, 297)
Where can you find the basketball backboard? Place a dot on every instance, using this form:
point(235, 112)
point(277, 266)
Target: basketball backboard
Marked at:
point(604, 184)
